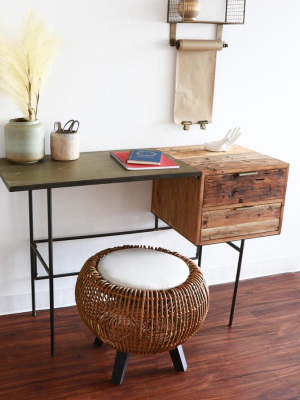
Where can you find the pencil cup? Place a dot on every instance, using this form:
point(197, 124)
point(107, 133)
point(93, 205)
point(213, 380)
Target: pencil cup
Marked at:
point(64, 146)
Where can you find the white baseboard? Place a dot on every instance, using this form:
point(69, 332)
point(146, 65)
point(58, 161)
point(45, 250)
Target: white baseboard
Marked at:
point(250, 270)
point(22, 302)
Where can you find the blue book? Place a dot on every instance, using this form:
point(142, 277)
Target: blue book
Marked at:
point(150, 157)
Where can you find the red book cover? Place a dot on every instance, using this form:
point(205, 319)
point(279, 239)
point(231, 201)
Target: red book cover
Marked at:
point(121, 157)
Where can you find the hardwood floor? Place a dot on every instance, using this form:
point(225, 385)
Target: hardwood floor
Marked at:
point(259, 358)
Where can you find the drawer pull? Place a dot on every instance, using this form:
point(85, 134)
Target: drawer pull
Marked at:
point(243, 208)
point(248, 173)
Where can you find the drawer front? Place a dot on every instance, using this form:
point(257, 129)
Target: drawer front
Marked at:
point(238, 188)
point(240, 221)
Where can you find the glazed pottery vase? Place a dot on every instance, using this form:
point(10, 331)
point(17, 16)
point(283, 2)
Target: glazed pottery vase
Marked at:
point(24, 141)
point(191, 9)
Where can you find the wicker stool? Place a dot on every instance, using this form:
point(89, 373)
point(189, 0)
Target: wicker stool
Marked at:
point(141, 300)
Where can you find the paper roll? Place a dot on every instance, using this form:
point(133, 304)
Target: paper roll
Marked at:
point(199, 45)
point(195, 80)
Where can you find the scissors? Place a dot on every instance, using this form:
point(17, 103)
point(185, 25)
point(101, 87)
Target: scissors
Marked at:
point(69, 126)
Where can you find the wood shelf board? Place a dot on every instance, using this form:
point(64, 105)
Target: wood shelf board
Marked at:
point(236, 159)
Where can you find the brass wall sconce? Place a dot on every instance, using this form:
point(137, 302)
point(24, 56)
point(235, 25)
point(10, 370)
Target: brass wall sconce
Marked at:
point(219, 12)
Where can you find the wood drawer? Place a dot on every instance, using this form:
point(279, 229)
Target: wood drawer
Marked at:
point(248, 187)
point(240, 221)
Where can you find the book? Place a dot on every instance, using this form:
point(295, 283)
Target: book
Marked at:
point(122, 156)
point(149, 157)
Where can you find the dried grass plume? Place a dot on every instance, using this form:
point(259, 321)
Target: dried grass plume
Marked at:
point(25, 64)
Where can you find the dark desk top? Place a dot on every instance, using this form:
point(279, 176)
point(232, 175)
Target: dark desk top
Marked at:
point(90, 169)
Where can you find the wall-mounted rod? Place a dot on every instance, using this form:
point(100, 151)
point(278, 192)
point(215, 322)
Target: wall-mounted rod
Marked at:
point(175, 43)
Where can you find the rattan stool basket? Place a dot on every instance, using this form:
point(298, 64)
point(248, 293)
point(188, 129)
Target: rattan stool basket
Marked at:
point(141, 321)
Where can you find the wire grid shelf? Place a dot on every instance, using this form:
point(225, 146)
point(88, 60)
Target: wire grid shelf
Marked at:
point(173, 11)
point(235, 13)
point(220, 11)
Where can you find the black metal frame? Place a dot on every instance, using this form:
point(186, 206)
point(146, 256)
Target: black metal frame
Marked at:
point(35, 254)
point(238, 272)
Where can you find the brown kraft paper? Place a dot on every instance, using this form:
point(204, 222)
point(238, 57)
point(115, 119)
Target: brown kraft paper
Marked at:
point(195, 80)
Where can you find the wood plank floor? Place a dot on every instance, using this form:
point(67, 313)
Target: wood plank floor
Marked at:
point(259, 358)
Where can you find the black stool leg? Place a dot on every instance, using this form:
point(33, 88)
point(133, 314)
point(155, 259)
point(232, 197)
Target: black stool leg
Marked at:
point(98, 342)
point(178, 359)
point(120, 366)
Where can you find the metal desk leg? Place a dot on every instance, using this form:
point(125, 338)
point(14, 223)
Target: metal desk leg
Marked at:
point(156, 223)
point(199, 255)
point(32, 254)
point(51, 280)
point(236, 286)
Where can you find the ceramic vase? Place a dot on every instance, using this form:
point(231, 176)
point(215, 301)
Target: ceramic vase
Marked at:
point(24, 141)
point(191, 9)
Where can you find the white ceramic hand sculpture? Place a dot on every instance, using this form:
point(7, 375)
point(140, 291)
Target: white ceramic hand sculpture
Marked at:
point(225, 143)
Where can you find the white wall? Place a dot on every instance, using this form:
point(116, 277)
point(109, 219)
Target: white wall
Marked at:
point(116, 73)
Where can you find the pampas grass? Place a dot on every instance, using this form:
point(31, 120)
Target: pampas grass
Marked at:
point(25, 64)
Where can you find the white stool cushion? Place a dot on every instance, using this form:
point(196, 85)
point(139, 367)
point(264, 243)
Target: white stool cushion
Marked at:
point(144, 269)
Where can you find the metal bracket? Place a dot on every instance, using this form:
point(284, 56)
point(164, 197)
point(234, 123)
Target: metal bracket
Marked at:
point(203, 124)
point(186, 125)
point(219, 31)
point(173, 35)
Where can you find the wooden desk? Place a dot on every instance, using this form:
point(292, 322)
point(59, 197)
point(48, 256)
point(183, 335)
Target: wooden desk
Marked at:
point(204, 200)
point(239, 195)
point(90, 169)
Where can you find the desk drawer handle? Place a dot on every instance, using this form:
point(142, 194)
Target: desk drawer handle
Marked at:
point(248, 173)
point(243, 208)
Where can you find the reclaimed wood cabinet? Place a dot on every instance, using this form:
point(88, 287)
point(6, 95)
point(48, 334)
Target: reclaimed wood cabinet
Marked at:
point(240, 194)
